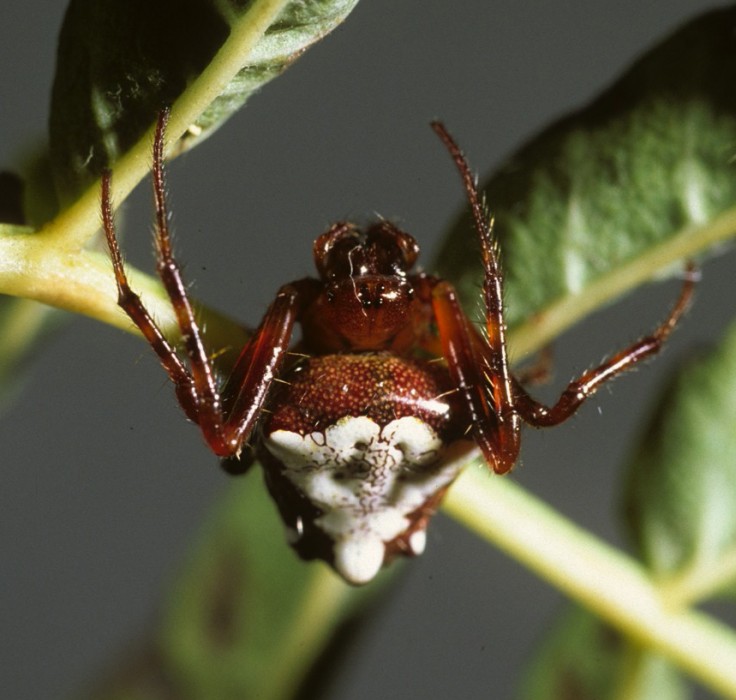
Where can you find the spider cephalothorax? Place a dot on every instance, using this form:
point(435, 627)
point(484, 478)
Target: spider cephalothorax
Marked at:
point(366, 298)
point(361, 426)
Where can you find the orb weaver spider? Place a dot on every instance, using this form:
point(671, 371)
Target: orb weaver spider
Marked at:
point(359, 427)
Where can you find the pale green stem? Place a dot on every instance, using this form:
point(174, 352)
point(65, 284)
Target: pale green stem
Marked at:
point(83, 282)
point(601, 578)
point(78, 281)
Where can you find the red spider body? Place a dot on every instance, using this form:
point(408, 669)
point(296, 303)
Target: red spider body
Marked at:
point(361, 427)
point(362, 434)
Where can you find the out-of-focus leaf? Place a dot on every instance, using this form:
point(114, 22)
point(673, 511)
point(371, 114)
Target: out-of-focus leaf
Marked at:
point(245, 619)
point(649, 159)
point(681, 491)
point(120, 61)
point(584, 659)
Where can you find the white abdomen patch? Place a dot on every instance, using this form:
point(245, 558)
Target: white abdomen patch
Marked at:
point(366, 480)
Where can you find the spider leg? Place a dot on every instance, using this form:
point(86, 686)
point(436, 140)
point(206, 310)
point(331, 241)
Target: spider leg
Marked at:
point(483, 389)
point(131, 303)
point(208, 408)
point(580, 389)
point(225, 419)
point(256, 368)
point(509, 400)
point(499, 425)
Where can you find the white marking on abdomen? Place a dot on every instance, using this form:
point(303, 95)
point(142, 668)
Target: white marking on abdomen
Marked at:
point(366, 480)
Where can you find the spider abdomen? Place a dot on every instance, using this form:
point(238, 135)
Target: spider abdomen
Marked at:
point(359, 449)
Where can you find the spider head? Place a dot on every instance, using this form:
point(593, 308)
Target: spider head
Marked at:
point(367, 291)
point(345, 251)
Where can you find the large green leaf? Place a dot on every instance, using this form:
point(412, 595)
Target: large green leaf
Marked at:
point(616, 193)
point(120, 61)
point(681, 492)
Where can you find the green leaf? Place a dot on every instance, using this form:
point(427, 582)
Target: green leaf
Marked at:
point(618, 192)
point(246, 618)
point(121, 61)
point(681, 489)
point(584, 659)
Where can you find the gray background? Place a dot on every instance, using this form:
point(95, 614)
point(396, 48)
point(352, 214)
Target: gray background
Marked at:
point(104, 483)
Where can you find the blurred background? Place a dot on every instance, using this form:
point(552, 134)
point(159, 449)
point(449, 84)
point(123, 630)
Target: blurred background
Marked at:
point(103, 481)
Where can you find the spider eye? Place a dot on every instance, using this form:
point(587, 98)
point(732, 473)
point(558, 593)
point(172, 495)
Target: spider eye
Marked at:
point(364, 296)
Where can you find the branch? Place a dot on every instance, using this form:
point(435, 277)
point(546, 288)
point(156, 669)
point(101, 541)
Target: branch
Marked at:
point(601, 578)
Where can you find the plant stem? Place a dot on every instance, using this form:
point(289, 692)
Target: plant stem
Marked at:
point(603, 579)
point(82, 281)
point(700, 581)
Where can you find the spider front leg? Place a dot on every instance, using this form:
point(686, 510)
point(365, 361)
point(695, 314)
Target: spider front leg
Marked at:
point(225, 418)
point(480, 366)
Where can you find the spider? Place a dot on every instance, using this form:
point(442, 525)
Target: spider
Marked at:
point(361, 426)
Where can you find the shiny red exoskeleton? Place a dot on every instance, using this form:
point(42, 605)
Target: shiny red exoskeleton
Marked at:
point(362, 426)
